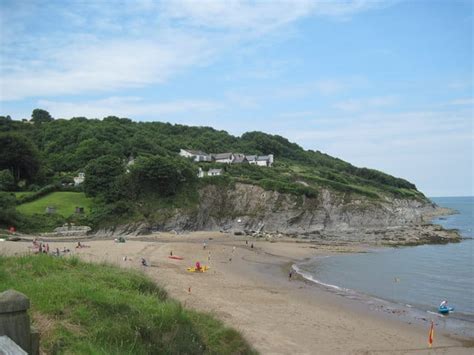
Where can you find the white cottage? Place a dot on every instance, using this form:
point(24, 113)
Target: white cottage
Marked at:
point(197, 155)
point(214, 172)
point(79, 179)
point(226, 158)
point(265, 160)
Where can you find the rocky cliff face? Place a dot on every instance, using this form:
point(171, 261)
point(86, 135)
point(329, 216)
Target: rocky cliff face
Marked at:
point(330, 217)
point(249, 207)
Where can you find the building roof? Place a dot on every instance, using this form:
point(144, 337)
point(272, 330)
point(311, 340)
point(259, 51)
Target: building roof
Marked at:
point(239, 158)
point(218, 171)
point(263, 158)
point(251, 157)
point(221, 156)
point(195, 152)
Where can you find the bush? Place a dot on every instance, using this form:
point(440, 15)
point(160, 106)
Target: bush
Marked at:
point(40, 193)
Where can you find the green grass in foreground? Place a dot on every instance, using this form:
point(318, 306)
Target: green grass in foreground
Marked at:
point(83, 308)
point(65, 203)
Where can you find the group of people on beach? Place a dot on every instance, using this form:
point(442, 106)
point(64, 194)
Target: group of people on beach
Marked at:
point(43, 248)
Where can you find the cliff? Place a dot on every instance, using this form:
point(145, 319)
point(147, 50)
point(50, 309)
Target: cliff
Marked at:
point(329, 217)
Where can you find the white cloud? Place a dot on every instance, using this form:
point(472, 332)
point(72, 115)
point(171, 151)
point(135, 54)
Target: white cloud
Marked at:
point(463, 101)
point(131, 107)
point(105, 67)
point(103, 47)
point(352, 105)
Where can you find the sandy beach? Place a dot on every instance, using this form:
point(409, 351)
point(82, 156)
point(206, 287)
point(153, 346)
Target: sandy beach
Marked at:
point(248, 289)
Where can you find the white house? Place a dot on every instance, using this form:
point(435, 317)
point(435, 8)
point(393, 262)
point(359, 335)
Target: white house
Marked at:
point(79, 179)
point(130, 162)
point(265, 160)
point(226, 158)
point(252, 159)
point(214, 172)
point(239, 159)
point(197, 155)
point(201, 173)
point(211, 172)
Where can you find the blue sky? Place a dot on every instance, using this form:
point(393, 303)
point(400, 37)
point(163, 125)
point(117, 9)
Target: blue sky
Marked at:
point(382, 84)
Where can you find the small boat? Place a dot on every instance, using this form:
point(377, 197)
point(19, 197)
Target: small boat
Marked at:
point(445, 310)
point(175, 257)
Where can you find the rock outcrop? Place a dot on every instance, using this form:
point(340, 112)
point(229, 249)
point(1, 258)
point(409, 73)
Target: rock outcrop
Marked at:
point(330, 216)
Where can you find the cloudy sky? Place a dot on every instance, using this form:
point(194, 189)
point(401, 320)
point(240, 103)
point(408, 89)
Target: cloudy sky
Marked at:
point(382, 84)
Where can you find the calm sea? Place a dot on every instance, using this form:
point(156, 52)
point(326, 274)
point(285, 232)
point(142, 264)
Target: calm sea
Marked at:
point(420, 276)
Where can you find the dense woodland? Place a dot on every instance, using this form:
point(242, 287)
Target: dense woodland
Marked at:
point(43, 154)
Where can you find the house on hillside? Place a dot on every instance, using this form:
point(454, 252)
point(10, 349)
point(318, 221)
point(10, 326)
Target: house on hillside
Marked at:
point(197, 155)
point(265, 160)
point(201, 173)
point(251, 159)
point(130, 162)
point(226, 158)
point(239, 159)
point(79, 179)
point(214, 172)
point(211, 172)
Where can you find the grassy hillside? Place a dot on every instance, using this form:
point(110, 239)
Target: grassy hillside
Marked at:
point(64, 202)
point(52, 153)
point(83, 308)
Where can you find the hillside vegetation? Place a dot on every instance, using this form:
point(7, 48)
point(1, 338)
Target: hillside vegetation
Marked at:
point(45, 151)
point(83, 308)
point(65, 203)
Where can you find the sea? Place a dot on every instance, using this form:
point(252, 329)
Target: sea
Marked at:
point(419, 277)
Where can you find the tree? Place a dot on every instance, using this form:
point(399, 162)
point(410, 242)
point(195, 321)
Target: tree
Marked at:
point(8, 214)
point(39, 116)
point(164, 175)
point(19, 155)
point(7, 182)
point(101, 176)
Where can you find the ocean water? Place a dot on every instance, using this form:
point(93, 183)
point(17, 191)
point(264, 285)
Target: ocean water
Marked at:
point(420, 276)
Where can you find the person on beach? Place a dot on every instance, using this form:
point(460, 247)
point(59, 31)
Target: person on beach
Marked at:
point(251, 246)
point(171, 253)
point(444, 304)
point(233, 250)
point(144, 263)
point(204, 245)
point(290, 274)
point(209, 256)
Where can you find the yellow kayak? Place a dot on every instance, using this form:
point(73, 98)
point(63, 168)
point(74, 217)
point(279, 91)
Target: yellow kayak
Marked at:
point(203, 269)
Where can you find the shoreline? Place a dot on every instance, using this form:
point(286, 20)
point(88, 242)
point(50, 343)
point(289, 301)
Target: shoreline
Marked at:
point(252, 293)
point(459, 324)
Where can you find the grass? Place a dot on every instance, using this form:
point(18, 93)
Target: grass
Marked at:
point(83, 308)
point(21, 194)
point(64, 202)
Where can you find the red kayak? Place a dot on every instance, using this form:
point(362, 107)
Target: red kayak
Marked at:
point(175, 257)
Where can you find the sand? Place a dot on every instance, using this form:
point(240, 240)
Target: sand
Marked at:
point(252, 294)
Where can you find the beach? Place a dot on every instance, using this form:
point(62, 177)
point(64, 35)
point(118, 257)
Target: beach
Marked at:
point(249, 290)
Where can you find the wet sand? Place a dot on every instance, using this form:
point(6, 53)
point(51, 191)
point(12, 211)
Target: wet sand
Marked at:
point(252, 293)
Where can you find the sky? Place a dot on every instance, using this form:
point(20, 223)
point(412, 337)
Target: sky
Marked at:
point(381, 84)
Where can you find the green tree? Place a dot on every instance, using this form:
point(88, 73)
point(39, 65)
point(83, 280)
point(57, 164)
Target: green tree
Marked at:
point(8, 215)
point(7, 182)
point(19, 155)
point(101, 176)
point(164, 175)
point(39, 116)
